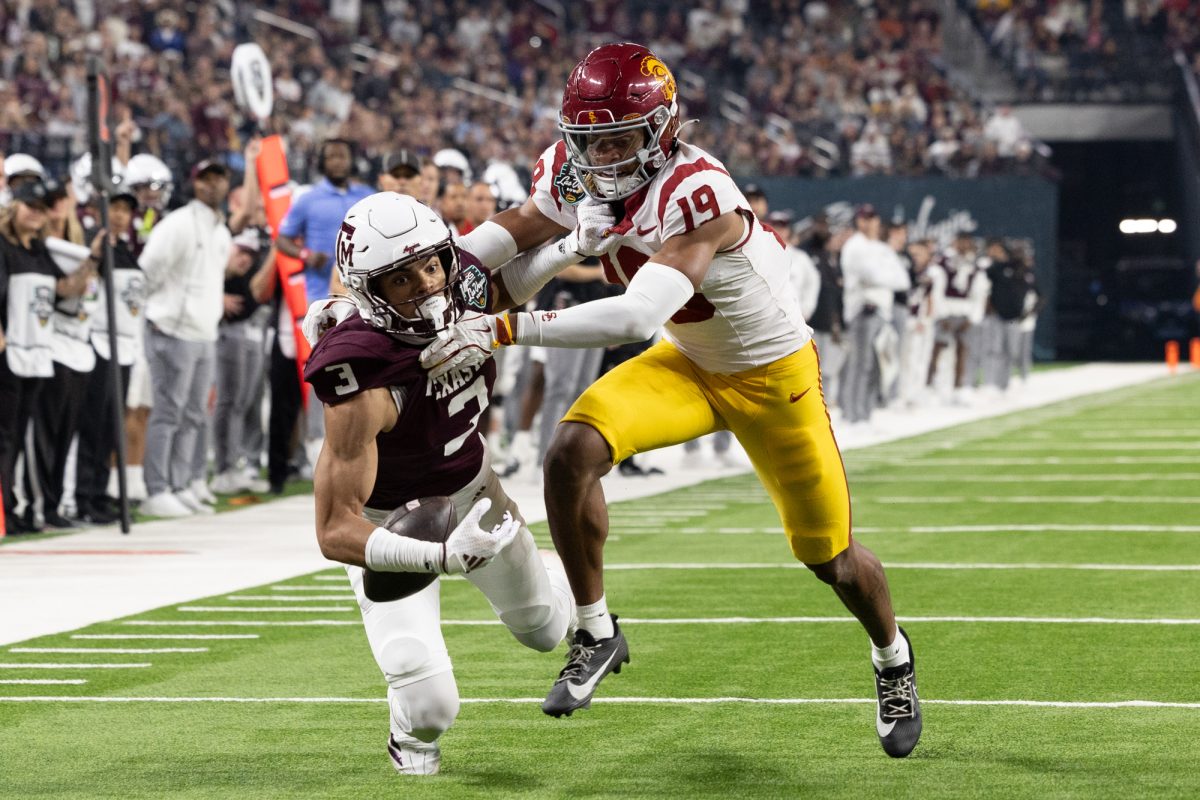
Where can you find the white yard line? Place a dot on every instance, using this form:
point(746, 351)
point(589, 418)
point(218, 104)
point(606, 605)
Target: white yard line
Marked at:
point(277, 598)
point(1033, 499)
point(932, 529)
point(924, 565)
point(472, 623)
point(74, 666)
point(1063, 477)
point(764, 701)
point(310, 588)
point(165, 636)
point(43, 681)
point(1016, 461)
point(121, 650)
point(266, 609)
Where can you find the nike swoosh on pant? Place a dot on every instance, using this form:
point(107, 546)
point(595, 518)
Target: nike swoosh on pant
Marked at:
point(582, 690)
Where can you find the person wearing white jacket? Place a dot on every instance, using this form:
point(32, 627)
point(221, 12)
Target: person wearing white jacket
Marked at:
point(184, 264)
point(873, 274)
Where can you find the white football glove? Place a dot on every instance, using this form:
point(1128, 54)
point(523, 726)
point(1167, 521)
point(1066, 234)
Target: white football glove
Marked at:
point(324, 314)
point(469, 547)
point(469, 343)
point(591, 236)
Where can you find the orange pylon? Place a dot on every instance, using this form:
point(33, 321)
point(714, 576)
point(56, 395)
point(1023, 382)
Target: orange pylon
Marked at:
point(1172, 356)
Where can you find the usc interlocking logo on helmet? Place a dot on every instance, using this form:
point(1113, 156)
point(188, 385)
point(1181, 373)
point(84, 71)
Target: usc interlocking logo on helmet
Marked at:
point(620, 93)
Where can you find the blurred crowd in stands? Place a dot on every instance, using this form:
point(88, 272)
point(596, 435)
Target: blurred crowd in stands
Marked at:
point(803, 87)
point(449, 101)
point(1089, 50)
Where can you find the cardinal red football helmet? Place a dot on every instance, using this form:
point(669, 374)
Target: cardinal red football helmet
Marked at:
point(617, 91)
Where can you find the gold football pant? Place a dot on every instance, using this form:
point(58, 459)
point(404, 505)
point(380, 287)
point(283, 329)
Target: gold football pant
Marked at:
point(776, 411)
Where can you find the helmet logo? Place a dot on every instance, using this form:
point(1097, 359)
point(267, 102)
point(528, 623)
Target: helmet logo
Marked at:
point(412, 248)
point(344, 247)
point(654, 68)
point(592, 117)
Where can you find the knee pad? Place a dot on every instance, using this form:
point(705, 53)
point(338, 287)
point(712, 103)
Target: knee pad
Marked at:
point(403, 655)
point(535, 627)
point(425, 709)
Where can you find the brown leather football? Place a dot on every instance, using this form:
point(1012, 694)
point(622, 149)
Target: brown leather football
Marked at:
point(430, 519)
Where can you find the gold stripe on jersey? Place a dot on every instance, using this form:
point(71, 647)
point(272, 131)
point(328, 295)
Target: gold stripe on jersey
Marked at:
point(777, 412)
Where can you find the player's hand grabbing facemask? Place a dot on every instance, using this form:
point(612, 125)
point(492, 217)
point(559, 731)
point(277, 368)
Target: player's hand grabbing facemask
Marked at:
point(468, 343)
point(469, 547)
point(591, 236)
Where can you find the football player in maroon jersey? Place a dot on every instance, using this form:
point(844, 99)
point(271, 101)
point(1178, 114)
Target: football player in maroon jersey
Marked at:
point(394, 434)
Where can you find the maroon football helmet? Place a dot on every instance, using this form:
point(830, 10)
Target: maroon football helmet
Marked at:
point(620, 117)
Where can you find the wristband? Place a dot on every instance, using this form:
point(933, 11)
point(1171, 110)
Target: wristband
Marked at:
point(504, 331)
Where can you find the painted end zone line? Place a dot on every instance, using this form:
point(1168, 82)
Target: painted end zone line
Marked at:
point(780, 701)
point(701, 621)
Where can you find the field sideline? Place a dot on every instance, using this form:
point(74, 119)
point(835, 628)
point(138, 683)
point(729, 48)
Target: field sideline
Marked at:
point(1048, 582)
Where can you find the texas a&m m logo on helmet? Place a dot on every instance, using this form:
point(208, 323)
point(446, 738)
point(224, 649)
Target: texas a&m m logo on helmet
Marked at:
point(620, 119)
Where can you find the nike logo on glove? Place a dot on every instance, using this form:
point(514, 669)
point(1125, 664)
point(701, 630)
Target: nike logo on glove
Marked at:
point(582, 690)
point(796, 397)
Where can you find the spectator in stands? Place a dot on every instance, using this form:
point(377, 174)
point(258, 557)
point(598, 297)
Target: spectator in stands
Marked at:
point(400, 171)
point(452, 207)
point(1005, 130)
point(184, 263)
point(481, 203)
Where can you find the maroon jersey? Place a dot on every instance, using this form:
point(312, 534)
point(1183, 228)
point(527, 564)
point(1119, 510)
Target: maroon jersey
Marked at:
point(435, 448)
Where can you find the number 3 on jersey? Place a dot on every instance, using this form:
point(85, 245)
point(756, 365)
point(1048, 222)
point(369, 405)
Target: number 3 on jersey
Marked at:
point(477, 390)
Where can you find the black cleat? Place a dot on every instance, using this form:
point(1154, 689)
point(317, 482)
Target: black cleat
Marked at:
point(898, 718)
point(588, 661)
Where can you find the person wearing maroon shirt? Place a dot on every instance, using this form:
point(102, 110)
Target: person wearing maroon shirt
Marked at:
point(394, 435)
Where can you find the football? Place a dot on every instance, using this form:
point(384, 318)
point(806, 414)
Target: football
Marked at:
point(430, 519)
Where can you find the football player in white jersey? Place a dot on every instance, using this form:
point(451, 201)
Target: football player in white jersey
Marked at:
point(736, 355)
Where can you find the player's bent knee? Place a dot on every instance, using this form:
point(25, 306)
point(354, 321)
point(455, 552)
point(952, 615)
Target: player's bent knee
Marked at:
point(402, 656)
point(425, 709)
point(838, 571)
point(577, 451)
point(535, 627)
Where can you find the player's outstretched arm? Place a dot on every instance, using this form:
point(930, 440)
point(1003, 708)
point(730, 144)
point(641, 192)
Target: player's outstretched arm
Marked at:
point(345, 473)
point(657, 291)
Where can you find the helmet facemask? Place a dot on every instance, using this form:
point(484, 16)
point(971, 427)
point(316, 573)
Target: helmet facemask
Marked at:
point(635, 167)
point(436, 311)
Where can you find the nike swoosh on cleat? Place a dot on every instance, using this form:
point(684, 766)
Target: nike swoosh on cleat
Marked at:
point(796, 397)
point(883, 729)
point(582, 690)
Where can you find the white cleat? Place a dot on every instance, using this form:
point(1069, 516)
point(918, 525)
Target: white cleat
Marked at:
point(189, 500)
point(412, 756)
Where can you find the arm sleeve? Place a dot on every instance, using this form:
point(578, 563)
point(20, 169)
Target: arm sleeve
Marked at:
point(491, 243)
point(655, 293)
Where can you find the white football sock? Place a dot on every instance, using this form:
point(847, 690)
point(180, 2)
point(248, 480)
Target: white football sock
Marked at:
point(893, 655)
point(595, 619)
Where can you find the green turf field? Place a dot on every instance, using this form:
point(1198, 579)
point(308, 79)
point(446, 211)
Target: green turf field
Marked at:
point(1041, 562)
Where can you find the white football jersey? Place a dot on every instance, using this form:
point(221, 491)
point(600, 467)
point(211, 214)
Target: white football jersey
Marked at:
point(745, 314)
